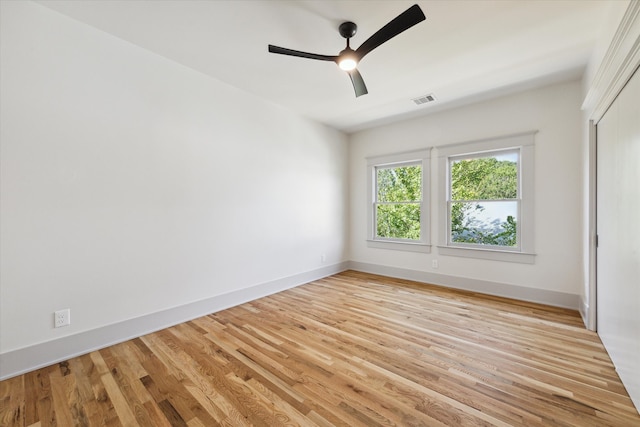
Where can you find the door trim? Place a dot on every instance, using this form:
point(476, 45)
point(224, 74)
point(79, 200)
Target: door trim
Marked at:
point(618, 65)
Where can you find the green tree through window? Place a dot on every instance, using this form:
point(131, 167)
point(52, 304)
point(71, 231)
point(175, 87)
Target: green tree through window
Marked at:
point(484, 200)
point(398, 199)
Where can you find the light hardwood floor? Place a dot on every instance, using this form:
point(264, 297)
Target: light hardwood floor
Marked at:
point(350, 350)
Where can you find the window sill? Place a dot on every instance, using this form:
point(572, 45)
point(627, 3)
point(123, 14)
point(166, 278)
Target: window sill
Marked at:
point(490, 254)
point(399, 246)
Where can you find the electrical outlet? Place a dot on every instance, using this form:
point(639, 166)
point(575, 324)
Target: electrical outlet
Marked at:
point(434, 263)
point(323, 258)
point(62, 318)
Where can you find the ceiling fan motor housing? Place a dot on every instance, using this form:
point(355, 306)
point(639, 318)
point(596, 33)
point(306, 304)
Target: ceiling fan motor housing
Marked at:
point(348, 29)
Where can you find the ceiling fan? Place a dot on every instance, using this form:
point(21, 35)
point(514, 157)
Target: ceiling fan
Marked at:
point(348, 59)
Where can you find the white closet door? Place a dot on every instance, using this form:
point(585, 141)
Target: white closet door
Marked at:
point(618, 225)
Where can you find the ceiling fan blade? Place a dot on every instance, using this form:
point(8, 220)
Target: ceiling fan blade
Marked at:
point(400, 23)
point(291, 52)
point(358, 82)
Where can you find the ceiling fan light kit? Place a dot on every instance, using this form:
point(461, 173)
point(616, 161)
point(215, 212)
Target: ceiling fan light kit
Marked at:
point(348, 58)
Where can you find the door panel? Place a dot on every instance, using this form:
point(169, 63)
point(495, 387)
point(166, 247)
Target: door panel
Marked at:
point(618, 227)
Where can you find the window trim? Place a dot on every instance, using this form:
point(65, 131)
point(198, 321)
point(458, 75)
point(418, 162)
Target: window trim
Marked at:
point(524, 143)
point(418, 157)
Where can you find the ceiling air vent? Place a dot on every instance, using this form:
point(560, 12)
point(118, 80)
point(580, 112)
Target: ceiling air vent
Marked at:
point(424, 99)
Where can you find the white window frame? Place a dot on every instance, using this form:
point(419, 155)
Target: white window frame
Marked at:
point(419, 157)
point(524, 251)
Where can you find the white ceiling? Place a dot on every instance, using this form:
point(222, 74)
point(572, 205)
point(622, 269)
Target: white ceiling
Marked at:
point(465, 50)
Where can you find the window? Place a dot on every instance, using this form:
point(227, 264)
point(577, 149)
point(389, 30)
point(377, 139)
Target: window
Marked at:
point(486, 202)
point(397, 201)
point(484, 199)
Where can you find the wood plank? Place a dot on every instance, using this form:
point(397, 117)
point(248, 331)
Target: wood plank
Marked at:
point(124, 411)
point(353, 349)
point(12, 402)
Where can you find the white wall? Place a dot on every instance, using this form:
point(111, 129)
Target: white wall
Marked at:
point(554, 112)
point(131, 184)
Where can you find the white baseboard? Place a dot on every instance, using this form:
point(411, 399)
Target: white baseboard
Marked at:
point(27, 359)
point(557, 299)
point(584, 310)
point(37, 356)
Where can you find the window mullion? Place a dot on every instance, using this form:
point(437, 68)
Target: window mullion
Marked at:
point(416, 202)
point(482, 200)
